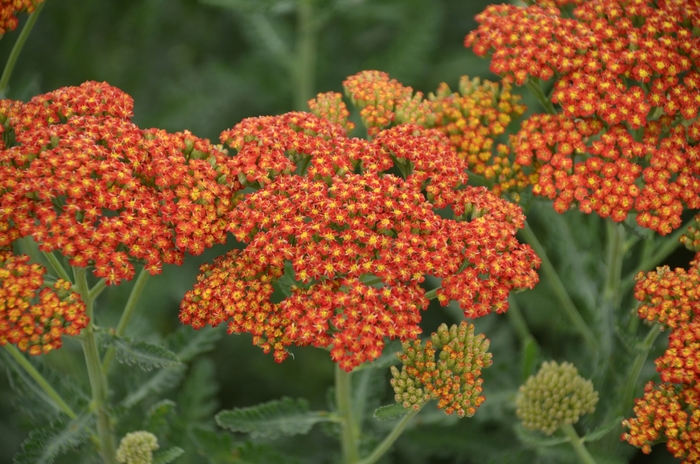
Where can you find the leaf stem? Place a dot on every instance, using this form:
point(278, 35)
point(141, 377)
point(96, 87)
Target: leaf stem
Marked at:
point(17, 49)
point(349, 427)
point(389, 440)
point(566, 303)
point(98, 379)
point(612, 291)
point(57, 266)
point(581, 450)
point(305, 62)
point(131, 303)
point(40, 380)
point(535, 88)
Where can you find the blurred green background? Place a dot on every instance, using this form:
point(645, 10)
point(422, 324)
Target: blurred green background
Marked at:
point(204, 66)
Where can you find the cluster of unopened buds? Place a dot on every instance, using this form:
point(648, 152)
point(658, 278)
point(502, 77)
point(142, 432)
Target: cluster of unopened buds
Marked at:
point(557, 395)
point(453, 379)
point(670, 410)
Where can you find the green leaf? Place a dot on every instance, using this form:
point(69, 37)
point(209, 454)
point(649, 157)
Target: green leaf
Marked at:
point(272, 419)
point(42, 446)
point(603, 430)
point(146, 355)
point(159, 417)
point(168, 455)
point(534, 439)
point(390, 412)
point(163, 380)
point(187, 342)
point(197, 398)
point(218, 447)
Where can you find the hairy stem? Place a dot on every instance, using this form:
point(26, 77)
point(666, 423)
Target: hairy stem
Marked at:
point(57, 267)
point(562, 295)
point(535, 88)
point(17, 49)
point(98, 379)
point(305, 62)
point(389, 440)
point(136, 292)
point(350, 432)
point(40, 380)
point(581, 450)
point(612, 291)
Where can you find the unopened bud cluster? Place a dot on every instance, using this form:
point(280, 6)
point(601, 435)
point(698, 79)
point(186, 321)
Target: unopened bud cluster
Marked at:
point(453, 379)
point(137, 448)
point(557, 395)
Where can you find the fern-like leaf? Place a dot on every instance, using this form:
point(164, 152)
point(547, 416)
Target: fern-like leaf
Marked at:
point(390, 412)
point(42, 446)
point(270, 420)
point(163, 380)
point(187, 342)
point(159, 417)
point(168, 455)
point(146, 355)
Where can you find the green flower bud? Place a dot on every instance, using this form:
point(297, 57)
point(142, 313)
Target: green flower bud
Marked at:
point(555, 396)
point(137, 448)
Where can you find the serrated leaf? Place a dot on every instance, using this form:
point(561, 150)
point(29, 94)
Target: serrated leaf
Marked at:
point(197, 399)
point(272, 419)
point(187, 342)
point(537, 439)
point(159, 417)
point(216, 446)
point(603, 430)
point(163, 380)
point(390, 412)
point(167, 456)
point(42, 446)
point(146, 355)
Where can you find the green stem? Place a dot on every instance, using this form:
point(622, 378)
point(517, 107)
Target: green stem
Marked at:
point(57, 266)
point(581, 450)
point(305, 62)
point(17, 49)
point(539, 94)
point(40, 380)
point(558, 286)
point(136, 292)
point(612, 292)
point(517, 320)
point(97, 289)
point(98, 379)
point(386, 444)
point(668, 246)
point(349, 427)
point(631, 385)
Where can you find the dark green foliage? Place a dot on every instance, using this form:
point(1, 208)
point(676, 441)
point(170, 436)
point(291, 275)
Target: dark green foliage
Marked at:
point(143, 354)
point(272, 419)
point(44, 444)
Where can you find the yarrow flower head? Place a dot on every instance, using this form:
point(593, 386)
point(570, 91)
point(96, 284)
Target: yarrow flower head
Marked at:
point(557, 395)
point(627, 80)
point(34, 314)
point(137, 448)
point(80, 178)
point(10, 8)
point(453, 379)
point(355, 240)
point(667, 412)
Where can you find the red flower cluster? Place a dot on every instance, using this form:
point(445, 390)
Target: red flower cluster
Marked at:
point(358, 240)
point(34, 316)
point(672, 408)
point(78, 177)
point(8, 10)
point(453, 379)
point(627, 78)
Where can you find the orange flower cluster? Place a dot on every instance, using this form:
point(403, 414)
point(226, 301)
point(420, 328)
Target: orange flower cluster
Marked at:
point(672, 408)
point(627, 79)
point(454, 379)
point(8, 10)
point(357, 240)
point(78, 177)
point(34, 316)
point(472, 119)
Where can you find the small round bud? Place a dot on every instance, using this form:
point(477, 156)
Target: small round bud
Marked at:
point(555, 396)
point(137, 448)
